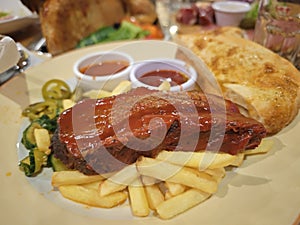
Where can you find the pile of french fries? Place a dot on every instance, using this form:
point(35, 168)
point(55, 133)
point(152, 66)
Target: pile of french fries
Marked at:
point(122, 87)
point(165, 186)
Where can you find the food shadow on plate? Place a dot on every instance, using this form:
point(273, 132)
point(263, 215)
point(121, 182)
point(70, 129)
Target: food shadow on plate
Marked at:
point(236, 179)
point(234, 176)
point(256, 158)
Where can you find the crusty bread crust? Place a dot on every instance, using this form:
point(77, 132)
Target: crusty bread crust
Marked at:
point(257, 79)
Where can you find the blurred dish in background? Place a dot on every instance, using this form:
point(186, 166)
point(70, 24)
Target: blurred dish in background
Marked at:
point(200, 13)
point(230, 13)
point(15, 16)
point(5, 15)
point(65, 23)
point(194, 16)
point(126, 30)
point(278, 28)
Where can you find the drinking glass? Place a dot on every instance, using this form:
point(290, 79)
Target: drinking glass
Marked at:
point(166, 10)
point(278, 28)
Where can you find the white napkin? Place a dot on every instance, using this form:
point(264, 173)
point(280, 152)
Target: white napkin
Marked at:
point(9, 55)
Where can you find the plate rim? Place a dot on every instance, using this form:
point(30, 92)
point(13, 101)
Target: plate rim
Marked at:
point(69, 217)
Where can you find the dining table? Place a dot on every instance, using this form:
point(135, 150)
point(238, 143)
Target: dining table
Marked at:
point(25, 204)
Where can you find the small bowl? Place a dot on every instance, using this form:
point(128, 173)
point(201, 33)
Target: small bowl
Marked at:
point(230, 13)
point(117, 66)
point(174, 65)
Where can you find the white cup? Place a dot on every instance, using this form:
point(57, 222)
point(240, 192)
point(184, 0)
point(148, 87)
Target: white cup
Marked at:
point(230, 13)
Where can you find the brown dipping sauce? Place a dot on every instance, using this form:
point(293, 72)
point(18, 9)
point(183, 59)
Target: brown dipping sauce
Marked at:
point(104, 68)
point(156, 77)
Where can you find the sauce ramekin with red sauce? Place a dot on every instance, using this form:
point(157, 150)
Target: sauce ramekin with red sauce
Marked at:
point(151, 74)
point(103, 70)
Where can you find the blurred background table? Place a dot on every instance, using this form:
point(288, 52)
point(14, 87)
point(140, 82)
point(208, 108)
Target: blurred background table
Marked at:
point(28, 36)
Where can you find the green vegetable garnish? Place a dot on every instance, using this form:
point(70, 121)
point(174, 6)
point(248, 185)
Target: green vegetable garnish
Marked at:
point(33, 163)
point(3, 14)
point(126, 31)
point(43, 115)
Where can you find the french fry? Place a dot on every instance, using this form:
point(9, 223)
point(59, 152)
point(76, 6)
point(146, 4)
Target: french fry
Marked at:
point(154, 195)
point(195, 179)
point(42, 139)
point(174, 188)
point(138, 199)
point(107, 187)
point(93, 185)
point(68, 103)
point(217, 173)
point(180, 203)
point(177, 174)
point(264, 147)
point(162, 187)
point(149, 180)
point(153, 191)
point(200, 160)
point(239, 160)
point(156, 168)
point(94, 94)
point(119, 181)
point(69, 177)
point(91, 197)
point(164, 86)
point(123, 86)
point(168, 195)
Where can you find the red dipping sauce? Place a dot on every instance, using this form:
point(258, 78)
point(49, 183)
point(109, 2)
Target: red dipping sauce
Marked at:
point(156, 77)
point(104, 68)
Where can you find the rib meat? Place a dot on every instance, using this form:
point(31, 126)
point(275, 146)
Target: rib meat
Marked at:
point(104, 135)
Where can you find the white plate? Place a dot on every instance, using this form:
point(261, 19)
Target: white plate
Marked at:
point(21, 16)
point(264, 190)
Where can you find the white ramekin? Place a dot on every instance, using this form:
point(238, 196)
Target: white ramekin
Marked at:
point(143, 67)
point(106, 82)
point(230, 13)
